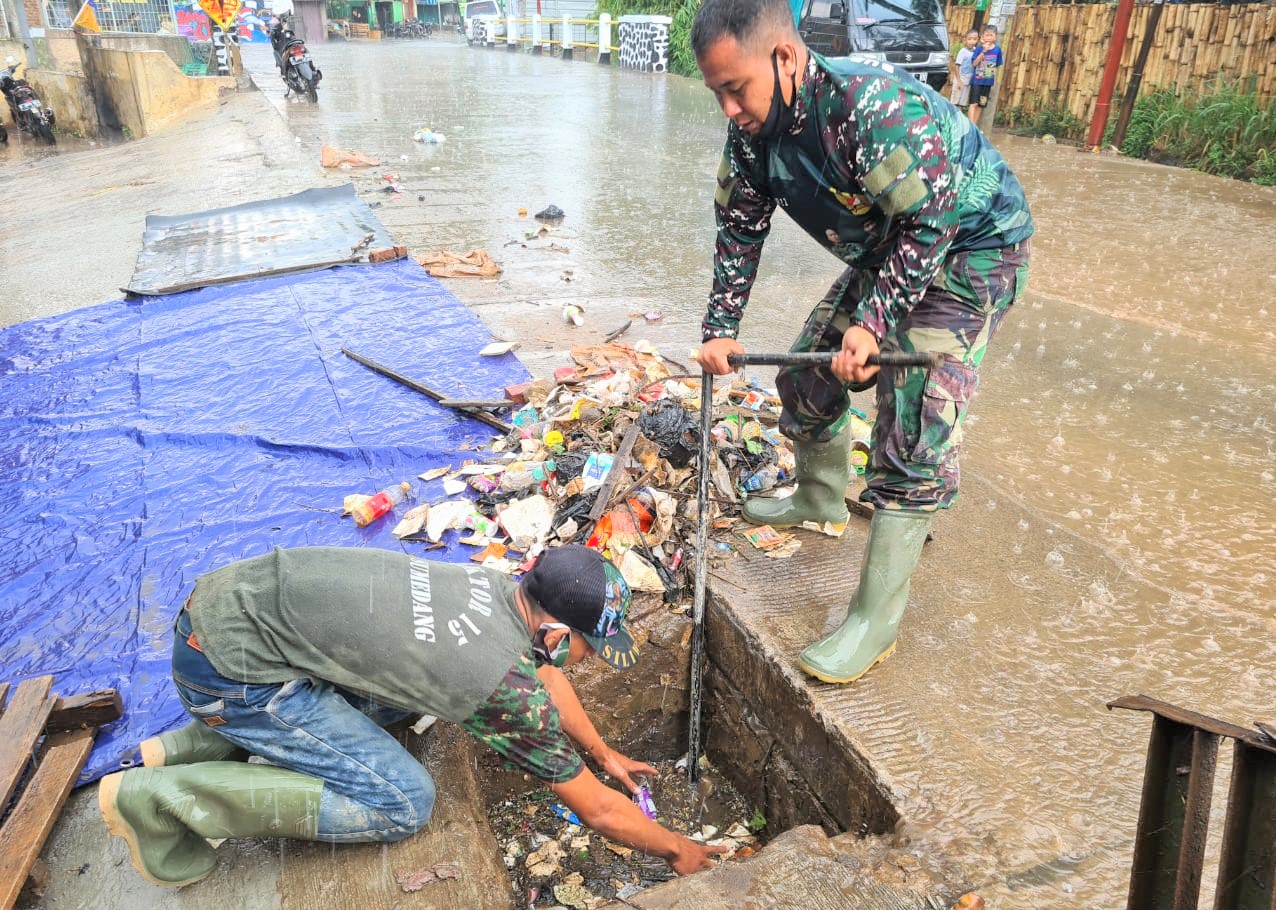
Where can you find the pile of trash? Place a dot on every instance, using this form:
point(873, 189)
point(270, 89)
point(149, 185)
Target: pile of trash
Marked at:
point(553, 860)
point(604, 454)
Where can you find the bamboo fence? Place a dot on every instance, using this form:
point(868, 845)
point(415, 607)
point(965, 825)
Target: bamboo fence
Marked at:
point(1055, 53)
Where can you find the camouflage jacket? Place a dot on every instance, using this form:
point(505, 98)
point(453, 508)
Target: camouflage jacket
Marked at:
point(880, 169)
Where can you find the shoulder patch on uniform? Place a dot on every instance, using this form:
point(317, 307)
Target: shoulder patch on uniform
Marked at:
point(892, 168)
point(726, 183)
point(906, 194)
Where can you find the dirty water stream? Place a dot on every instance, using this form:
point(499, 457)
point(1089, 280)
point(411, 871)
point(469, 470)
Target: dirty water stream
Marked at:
point(1123, 441)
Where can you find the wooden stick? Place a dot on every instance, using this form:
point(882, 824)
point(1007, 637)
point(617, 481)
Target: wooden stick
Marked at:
point(464, 404)
point(480, 416)
point(617, 332)
point(614, 473)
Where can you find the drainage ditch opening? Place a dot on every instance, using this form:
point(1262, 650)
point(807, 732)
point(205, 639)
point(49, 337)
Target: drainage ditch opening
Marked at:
point(644, 714)
point(553, 860)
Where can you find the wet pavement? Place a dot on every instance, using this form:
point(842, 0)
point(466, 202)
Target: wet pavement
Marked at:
point(1119, 509)
point(1119, 514)
point(74, 213)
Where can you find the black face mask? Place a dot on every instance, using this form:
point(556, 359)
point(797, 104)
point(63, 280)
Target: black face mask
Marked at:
point(780, 118)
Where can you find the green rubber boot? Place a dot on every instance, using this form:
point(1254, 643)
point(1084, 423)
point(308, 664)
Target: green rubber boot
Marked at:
point(167, 815)
point(823, 470)
point(867, 636)
point(195, 742)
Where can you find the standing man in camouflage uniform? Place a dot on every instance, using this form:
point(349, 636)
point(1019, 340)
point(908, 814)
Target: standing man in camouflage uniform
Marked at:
point(301, 656)
point(893, 180)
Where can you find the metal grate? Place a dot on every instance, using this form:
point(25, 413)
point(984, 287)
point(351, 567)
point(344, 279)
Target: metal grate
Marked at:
point(1169, 846)
point(145, 17)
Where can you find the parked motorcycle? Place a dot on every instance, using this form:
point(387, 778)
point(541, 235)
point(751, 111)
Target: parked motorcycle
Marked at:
point(295, 66)
point(28, 111)
point(412, 28)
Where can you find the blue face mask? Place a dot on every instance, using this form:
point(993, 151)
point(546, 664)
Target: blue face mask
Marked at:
point(563, 650)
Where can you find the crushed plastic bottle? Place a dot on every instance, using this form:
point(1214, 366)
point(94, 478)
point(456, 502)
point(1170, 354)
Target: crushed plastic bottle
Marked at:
point(643, 800)
point(763, 479)
point(522, 474)
point(381, 504)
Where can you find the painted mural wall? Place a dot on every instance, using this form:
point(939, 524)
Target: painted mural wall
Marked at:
point(253, 23)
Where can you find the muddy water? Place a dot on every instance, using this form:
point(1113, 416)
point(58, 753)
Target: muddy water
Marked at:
point(1121, 453)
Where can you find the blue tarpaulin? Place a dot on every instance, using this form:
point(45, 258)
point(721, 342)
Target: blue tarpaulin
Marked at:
point(146, 441)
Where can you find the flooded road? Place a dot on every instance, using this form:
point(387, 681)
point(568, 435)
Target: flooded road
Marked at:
point(1118, 521)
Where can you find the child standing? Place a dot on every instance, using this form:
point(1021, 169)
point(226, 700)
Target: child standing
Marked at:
point(990, 57)
point(965, 70)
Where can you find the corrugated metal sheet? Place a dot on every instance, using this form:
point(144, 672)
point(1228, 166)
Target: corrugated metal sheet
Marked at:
point(312, 229)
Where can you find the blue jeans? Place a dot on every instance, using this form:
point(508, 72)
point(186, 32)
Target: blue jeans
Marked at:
point(374, 790)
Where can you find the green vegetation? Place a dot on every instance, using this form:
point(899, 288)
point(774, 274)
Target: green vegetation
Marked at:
point(1225, 132)
point(681, 60)
point(1053, 121)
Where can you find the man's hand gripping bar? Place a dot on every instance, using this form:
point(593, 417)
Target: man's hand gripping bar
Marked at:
point(820, 358)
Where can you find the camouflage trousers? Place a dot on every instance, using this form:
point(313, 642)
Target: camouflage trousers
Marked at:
point(917, 435)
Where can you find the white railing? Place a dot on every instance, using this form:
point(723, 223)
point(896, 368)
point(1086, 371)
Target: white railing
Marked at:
point(643, 41)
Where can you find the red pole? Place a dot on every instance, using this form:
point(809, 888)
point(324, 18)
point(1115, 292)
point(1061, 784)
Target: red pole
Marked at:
point(1125, 9)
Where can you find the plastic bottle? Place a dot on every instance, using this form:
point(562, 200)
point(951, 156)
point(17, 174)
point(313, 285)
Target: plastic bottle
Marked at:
point(763, 479)
point(522, 474)
point(380, 504)
point(643, 800)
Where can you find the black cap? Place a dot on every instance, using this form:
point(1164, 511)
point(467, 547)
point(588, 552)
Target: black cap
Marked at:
point(587, 593)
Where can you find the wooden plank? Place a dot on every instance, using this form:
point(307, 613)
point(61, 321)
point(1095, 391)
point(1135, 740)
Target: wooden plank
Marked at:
point(20, 728)
point(32, 819)
point(92, 709)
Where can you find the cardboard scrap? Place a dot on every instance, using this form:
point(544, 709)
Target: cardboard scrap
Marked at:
point(785, 550)
point(765, 537)
point(576, 896)
point(413, 521)
point(416, 879)
point(334, 157)
point(545, 860)
point(639, 574)
point(493, 550)
point(444, 515)
point(527, 521)
point(445, 264)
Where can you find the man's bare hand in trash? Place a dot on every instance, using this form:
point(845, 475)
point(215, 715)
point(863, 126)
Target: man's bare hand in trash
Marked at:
point(695, 857)
point(851, 363)
point(621, 767)
point(713, 354)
